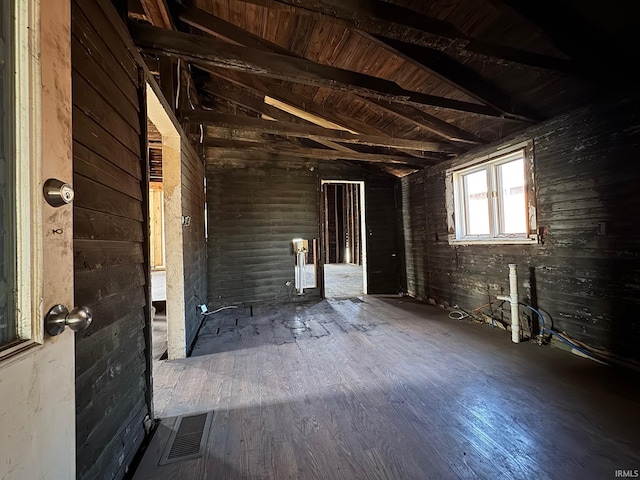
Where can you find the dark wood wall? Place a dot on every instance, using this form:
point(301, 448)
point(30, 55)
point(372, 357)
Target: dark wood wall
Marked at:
point(109, 244)
point(255, 210)
point(254, 214)
point(194, 242)
point(586, 275)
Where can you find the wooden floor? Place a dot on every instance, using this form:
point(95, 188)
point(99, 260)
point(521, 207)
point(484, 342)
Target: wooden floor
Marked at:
point(342, 280)
point(389, 388)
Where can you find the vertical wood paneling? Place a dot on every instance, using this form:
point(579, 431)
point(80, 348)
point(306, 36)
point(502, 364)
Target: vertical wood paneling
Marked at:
point(109, 234)
point(586, 274)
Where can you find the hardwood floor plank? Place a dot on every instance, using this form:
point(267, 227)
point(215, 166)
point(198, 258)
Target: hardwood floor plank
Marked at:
point(390, 388)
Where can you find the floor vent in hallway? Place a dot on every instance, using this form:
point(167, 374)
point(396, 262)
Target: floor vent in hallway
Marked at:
point(188, 438)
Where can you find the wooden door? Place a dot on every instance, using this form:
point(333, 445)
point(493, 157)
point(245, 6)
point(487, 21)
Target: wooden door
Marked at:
point(37, 438)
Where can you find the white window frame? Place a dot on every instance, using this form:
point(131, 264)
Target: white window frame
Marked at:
point(456, 209)
point(26, 140)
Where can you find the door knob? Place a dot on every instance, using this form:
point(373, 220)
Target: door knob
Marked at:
point(59, 317)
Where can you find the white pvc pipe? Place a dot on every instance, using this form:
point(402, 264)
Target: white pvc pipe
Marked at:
point(301, 272)
point(513, 299)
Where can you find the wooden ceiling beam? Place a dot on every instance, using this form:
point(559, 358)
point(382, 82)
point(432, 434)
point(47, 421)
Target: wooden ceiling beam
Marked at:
point(433, 61)
point(249, 100)
point(157, 12)
point(448, 70)
point(247, 124)
point(219, 28)
point(257, 103)
point(382, 18)
point(215, 26)
point(285, 149)
point(261, 88)
point(428, 122)
point(412, 115)
point(219, 54)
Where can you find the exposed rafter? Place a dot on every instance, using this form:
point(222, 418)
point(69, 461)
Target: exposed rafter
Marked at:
point(392, 21)
point(221, 146)
point(244, 98)
point(246, 124)
point(427, 122)
point(249, 100)
point(158, 13)
point(448, 70)
point(273, 109)
point(215, 26)
point(217, 53)
point(261, 88)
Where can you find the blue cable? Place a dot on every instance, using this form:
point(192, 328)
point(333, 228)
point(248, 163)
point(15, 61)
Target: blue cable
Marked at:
point(543, 328)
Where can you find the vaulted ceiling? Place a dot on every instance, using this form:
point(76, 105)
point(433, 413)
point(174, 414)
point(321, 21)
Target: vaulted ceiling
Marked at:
point(397, 85)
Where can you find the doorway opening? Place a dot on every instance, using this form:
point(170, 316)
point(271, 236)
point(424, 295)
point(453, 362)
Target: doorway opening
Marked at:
point(157, 244)
point(344, 239)
point(166, 221)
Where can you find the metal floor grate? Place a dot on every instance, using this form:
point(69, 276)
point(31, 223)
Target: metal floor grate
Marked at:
point(188, 438)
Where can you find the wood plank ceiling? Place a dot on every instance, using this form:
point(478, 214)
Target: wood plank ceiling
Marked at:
point(397, 85)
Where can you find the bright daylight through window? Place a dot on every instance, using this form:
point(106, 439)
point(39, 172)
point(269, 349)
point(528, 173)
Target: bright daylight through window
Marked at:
point(492, 201)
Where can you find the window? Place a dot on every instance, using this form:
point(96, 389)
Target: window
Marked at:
point(20, 238)
point(7, 223)
point(492, 200)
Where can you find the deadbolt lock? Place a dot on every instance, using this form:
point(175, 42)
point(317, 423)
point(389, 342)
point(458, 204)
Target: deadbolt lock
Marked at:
point(57, 193)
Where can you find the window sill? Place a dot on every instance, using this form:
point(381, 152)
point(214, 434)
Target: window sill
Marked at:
point(533, 240)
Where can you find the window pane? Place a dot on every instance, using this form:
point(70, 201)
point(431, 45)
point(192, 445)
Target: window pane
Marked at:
point(7, 230)
point(512, 198)
point(476, 202)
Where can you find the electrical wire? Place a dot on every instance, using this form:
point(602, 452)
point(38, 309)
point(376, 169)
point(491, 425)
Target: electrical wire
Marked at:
point(219, 309)
point(458, 315)
point(177, 100)
point(563, 338)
